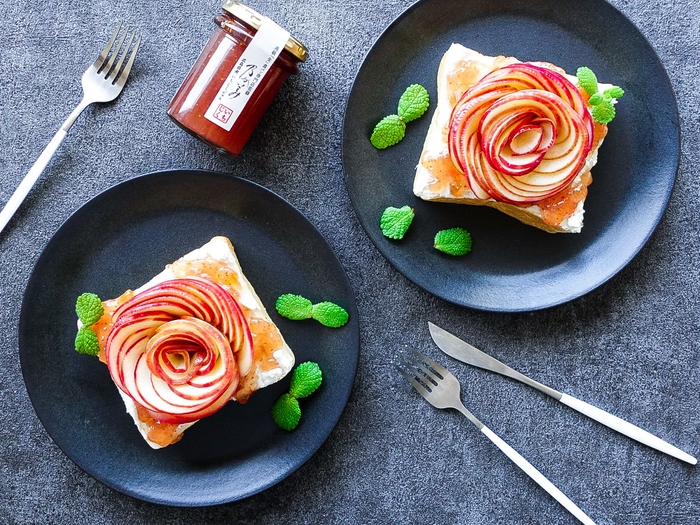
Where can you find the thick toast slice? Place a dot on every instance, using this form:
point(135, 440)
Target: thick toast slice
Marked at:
point(272, 359)
point(437, 179)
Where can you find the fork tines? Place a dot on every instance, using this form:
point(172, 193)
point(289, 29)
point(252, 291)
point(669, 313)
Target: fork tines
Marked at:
point(419, 370)
point(106, 66)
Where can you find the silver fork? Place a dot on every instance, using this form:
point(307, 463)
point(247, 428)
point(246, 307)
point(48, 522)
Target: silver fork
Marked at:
point(442, 390)
point(102, 82)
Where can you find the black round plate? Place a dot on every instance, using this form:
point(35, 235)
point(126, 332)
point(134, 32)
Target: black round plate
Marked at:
point(119, 240)
point(514, 267)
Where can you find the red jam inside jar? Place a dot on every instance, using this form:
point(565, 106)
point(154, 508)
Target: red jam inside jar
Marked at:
point(235, 78)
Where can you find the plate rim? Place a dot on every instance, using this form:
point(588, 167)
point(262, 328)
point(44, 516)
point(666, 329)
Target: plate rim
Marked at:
point(350, 374)
point(376, 238)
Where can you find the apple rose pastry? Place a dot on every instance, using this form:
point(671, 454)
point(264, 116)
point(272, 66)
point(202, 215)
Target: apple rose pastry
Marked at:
point(518, 137)
point(521, 134)
point(185, 343)
point(179, 348)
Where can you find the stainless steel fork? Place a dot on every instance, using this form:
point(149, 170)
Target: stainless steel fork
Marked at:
point(102, 82)
point(442, 390)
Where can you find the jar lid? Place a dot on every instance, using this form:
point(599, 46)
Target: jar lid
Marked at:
point(254, 19)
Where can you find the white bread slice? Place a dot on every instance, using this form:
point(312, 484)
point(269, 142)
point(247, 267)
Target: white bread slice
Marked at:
point(217, 261)
point(436, 178)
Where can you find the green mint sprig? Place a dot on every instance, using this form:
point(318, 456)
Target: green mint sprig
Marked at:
point(414, 101)
point(602, 107)
point(306, 378)
point(89, 308)
point(395, 222)
point(388, 132)
point(286, 412)
point(86, 341)
point(455, 241)
point(298, 308)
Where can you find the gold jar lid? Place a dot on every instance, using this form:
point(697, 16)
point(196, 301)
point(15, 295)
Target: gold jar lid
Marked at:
point(254, 19)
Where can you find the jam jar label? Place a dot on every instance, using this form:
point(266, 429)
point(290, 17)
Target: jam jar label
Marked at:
point(256, 60)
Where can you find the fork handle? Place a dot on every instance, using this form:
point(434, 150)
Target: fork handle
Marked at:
point(37, 168)
point(537, 476)
point(30, 179)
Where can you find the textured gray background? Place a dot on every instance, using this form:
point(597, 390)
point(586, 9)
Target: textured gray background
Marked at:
point(630, 346)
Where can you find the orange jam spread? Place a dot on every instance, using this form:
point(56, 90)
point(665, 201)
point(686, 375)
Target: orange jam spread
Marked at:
point(466, 74)
point(459, 80)
point(266, 339)
point(444, 175)
point(209, 269)
point(162, 434)
point(562, 205)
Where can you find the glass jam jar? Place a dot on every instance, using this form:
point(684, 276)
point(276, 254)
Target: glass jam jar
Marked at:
point(235, 78)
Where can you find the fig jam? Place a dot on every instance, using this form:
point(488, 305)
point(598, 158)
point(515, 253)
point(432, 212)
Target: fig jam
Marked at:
point(235, 78)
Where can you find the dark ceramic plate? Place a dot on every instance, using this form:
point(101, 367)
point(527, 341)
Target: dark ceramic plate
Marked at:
point(514, 267)
point(119, 240)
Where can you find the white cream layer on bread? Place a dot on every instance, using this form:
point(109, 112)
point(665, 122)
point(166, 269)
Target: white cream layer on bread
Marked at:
point(435, 145)
point(221, 250)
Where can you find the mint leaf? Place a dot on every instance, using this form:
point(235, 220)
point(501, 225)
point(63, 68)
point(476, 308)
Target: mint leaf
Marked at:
point(455, 241)
point(306, 378)
point(395, 222)
point(389, 131)
point(294, 307)
point(286, 412)
point(413, 103)
point(596, 98)
point(89, 308)
point(86, 342)
point(614, 92)
point(587, 80)
point(330, 314)
point(603, 112)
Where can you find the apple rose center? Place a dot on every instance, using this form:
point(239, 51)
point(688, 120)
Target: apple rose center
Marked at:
point(185, 348)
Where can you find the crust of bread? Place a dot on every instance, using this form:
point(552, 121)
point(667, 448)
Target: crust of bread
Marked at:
point(220, 250)
point(471, 66)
